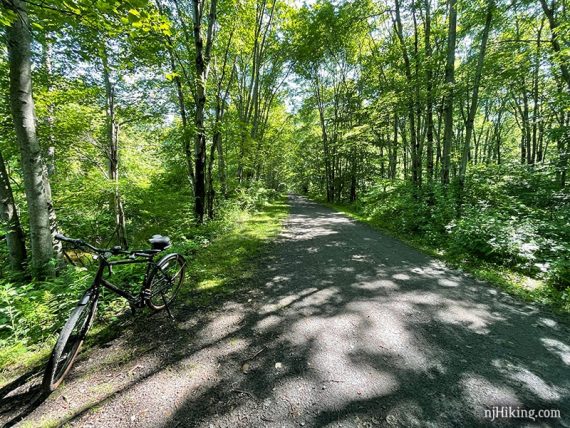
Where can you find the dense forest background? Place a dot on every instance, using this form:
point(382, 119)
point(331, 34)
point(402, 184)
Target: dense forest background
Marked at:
point(444, 121)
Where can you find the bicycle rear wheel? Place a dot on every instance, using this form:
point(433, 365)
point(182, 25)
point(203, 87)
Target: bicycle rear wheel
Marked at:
point(165, 281)
point(69, 341)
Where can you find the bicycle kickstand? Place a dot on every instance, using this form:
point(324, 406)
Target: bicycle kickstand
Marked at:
point(167, 306)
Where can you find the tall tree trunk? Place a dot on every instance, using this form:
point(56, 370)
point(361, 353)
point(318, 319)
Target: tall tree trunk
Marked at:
point(217, 147)
point(429, 83)
point(329, 175)
point(527, 129)
point(259, 46)
point(186, 140)
point(54, 229)
point(380, 142)
point(211, 193)
point(405, 162)
point(414, 138)
point(554, 34)
point(202, 66)
point(563, 147)
point(217, 142)
point(524, 124)
point(23, 113)
point(418, 146)
point(353, 177)
point(50, 119)
point(540, 152)
point(475, 95)
point(486, 151)
point(221, 99)
point(536, 155)
point(448, 100)
point(222, 175)
point(438, 149)
point(113, 154)
point(394, 155)
point(49, 169)
point(9, 215)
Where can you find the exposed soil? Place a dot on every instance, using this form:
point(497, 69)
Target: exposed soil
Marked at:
point(343, 326)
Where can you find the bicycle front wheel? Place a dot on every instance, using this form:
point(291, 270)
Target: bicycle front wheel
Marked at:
point(165, 281)
point(69, 341)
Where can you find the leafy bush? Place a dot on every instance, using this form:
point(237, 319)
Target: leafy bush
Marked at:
point(31, 312)
point(400, 207)
point(491, 236)
point(511, 215)
point(559, 274)
point(255, 196)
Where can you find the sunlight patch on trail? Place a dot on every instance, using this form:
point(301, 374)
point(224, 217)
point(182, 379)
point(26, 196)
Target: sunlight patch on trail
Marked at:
point(559, 348)
point(483, 393)
point(528, 379)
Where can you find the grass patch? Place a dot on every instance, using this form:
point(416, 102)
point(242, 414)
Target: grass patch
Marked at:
point(513, 283)
point(230, 260)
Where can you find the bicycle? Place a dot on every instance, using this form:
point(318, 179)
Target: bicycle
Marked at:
point(161, 283)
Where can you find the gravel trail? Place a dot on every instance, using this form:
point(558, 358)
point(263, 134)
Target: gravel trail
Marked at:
point(343, 326)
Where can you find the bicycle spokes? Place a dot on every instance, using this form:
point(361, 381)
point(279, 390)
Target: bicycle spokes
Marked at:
point(167, 281)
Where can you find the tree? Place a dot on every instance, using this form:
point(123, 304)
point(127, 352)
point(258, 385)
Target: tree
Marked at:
point(475, 95)
point(415, 139)
point(429, 87)
point(222, 93)
point(203, 53)
point(112, 134)
point(448, 99)
point(23, 112)
point(550, 12)
point(14, 234)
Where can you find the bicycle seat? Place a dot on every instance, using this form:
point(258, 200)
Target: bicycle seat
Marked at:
point(159, 242)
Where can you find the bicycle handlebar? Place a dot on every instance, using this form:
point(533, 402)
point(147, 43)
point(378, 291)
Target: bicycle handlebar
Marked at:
point(113, 251)
point(63, 238)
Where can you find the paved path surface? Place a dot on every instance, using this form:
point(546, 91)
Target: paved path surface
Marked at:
point(343, 327)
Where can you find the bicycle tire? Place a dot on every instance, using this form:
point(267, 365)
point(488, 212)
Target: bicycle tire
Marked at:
point(69, 341)
point(173, 265)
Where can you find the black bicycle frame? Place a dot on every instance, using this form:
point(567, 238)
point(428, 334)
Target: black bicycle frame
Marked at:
point(145, 257)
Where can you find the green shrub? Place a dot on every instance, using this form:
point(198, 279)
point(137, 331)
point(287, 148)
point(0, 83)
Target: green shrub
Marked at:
point(401, 207)
point(559, 274)
point(255, 196)
point(491, 236)
point(32, 312)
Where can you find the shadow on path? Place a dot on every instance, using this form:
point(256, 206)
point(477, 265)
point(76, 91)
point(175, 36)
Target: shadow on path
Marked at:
point(343, 326)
